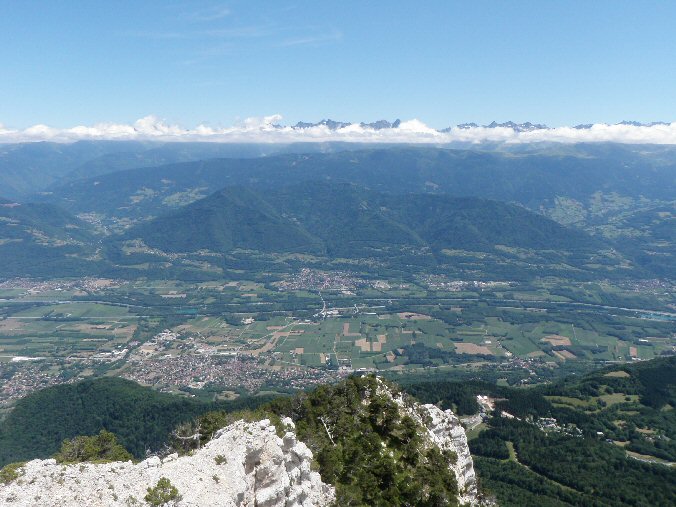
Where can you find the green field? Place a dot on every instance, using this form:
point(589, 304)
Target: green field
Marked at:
point(398, 326)
point(65, 329)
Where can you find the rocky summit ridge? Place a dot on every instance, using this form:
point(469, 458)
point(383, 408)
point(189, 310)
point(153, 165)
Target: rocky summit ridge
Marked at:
point(244, 464)
point(445, 431)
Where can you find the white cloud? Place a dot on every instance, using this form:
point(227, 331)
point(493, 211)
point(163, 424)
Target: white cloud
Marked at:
point(313, 40)
point(267, 129)
point(264, 123)
point(210, 14)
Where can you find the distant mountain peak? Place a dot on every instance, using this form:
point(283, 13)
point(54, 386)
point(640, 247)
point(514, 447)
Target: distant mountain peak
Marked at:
point(626, 123)
point(517, 127)
point(639, 124)
point(331, 124)
point(336, 125)
point(465, 126)
point(381, 124)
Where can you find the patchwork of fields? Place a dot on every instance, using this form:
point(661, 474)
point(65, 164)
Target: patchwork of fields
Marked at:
point(66, 330)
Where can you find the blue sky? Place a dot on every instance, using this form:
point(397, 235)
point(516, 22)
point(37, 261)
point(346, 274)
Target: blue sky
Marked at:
point(445, 62)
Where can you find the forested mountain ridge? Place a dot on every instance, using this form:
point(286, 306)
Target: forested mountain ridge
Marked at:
point(344, 221)
point(30, 168)
point(40, 238)
point(346, 426)
point(622, 194)
point(532, 179)
point(41, 221)
point(327, 220)
point(27, 168)
point(232, 218)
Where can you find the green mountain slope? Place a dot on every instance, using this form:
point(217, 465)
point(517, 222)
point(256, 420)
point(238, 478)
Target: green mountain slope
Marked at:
point(523, 461)
point(649, 233)
point(41, 221)
point(533, 179)
point(348, 220)
point(345, 221)
point(478, 224)
point(230, 219)
point(40, 238)
point(29, 168)
point(363, 419)
point(596, 188)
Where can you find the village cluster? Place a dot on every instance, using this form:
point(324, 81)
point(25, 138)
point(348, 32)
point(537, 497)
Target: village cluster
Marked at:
point(33, 286)
point(19, 380)
point(312, 279)
point(198, 371)
point(441, 282)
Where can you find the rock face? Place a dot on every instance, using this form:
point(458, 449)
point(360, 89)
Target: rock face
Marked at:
point(445, 431)
point(246, 464)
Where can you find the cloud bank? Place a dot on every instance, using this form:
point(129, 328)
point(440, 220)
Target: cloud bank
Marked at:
point(269, 130)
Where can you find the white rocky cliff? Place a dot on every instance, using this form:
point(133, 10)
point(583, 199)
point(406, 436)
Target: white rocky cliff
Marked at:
point(246, 464)
point(445, 431)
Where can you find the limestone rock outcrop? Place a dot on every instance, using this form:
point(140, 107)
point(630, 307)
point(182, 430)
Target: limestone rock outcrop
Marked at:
point(445, 431)
point(245, 464)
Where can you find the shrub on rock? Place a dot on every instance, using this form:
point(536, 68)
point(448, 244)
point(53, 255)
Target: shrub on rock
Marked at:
point(163, 494)
point(101, 448)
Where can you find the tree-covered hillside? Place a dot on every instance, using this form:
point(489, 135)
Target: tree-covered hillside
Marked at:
point(326, 222)
point(365, 444)
point(526, 460)
point(41, 239)
point(231, 219)
point(533, 179)
point(343, 220)
point(608, 425)
point(30, 168)
point(623, 195)
point(140, 417)
point(41, 222)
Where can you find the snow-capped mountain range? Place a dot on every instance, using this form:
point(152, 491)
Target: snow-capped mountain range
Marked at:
point(269, 129)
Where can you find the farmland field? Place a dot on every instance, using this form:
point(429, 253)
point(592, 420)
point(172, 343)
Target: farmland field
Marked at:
point(70, 329)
